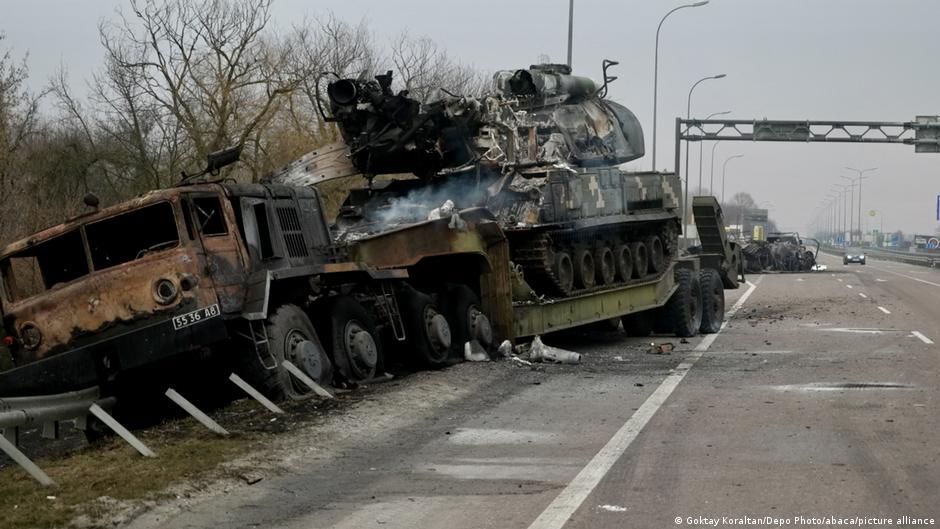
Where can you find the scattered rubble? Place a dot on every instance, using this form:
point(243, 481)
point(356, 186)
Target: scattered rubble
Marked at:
point(539, 352)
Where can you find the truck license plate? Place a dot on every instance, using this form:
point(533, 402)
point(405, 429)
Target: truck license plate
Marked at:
point(194, 317)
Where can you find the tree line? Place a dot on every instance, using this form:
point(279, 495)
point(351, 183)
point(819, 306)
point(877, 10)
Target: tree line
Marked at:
point(180, 79)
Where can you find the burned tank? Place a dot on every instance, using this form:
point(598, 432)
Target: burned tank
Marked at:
point(541, 151)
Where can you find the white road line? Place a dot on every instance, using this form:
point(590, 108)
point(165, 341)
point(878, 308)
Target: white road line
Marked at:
point(922, 338)
point(849, 286)
point(931, 283)
point(886, 311)
point(862, 294)
point(839, 279)
point(557, 514)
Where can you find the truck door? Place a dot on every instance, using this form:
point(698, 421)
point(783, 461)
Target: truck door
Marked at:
point(210, 223)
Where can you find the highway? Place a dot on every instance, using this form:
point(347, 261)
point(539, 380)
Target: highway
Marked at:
point(819, 398)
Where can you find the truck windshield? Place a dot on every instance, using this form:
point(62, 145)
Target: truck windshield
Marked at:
point(112, 241)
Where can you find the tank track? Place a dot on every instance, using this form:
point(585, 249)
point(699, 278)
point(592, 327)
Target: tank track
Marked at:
point(534, 251)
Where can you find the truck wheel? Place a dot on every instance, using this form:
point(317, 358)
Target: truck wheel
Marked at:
point(428, 332)
point(357, 353)
point(638, 324)
point(461, 307)
point(624, 259)
point(713, 300)
point(291, 336)
point(641, 259)
point(684, 308)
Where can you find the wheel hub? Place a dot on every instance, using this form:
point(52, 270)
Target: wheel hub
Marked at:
point(438, 330)
point(306, 355)
point(480, 328)
point(360, 346)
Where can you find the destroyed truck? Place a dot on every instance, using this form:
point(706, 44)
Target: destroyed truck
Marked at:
point(241, 275)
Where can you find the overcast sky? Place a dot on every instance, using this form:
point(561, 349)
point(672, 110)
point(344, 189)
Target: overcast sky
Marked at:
point(784, 59)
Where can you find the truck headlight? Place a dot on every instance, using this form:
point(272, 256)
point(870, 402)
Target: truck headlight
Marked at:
point(165, 291)
point(30, 335)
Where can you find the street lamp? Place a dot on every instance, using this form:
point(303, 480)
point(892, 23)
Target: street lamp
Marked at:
point(656, 69)
point(860, 178)
point(851, 208)
point(711, 177)
point(710, 116)
point(846, 224)
point(724, 166)
point(688, 115)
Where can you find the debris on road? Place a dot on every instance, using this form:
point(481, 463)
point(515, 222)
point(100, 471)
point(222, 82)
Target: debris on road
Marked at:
point(539, 352)
point(504, 350)
point(663, 348)
point(474, 352)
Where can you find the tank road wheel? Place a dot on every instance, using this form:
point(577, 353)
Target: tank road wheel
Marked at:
point(428, 332)
point(604, 265)
point(291, 336)
point(584, 269)
point(467, 322)
point(356, 351)
point(654, 246)
point(713, 300)
point(638, 324)
point(684, 308)
point(623, 258)
point(564, 272)
point(641, 260)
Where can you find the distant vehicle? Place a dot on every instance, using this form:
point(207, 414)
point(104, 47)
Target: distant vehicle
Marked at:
point(853, 255)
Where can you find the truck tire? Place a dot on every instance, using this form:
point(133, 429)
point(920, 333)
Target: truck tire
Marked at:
point(428, 333)
point(357, 351)
point(713, 300)
point(461, 306)
point(684, 308)
point(638, 324)
point(288, 329)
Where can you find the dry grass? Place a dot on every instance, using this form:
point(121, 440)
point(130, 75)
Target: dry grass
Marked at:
point(111, 469)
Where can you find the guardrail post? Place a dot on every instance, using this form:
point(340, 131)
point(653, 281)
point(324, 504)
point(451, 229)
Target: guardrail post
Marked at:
point(119, 429)
point(255, 394)
point(24, 462)
point(196, 413)
point(301, 376)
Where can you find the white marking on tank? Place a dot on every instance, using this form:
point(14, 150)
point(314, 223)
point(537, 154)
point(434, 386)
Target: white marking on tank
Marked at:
point(596, 190)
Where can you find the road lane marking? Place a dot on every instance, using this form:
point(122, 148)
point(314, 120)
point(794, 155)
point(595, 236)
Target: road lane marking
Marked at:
point(931, 283)
point(879, 280)
point(839, 279)
point(849, 286)
point(922, 338)
point(862, 294)
point(886, 311)
point(559, 511)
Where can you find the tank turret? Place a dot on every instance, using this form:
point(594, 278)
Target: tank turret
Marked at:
point(541, 150)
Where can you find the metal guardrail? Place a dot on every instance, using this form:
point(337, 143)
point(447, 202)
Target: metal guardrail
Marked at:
point(931, 260)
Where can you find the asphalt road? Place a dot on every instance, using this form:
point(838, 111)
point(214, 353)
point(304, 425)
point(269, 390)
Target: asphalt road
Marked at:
point(819, 398)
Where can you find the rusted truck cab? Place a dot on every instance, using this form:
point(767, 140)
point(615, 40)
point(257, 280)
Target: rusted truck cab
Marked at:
point(159, 276)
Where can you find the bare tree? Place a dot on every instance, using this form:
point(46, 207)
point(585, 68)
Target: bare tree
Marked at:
point(422, 67)
point(208, 67)
point(19, 112)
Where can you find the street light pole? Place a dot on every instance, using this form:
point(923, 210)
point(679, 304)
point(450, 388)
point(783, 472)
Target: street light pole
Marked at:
point(710, 116)
point(711, 177)
point(724, 167)
point(851, 208)
point(860, 178)
point(688, 115)
point(570, 29)
point(656, 70)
